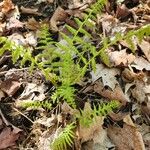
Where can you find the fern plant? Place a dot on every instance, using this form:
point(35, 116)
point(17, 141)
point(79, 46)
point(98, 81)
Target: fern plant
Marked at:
point(67, 71)
point(64, 138)
point(87, 117)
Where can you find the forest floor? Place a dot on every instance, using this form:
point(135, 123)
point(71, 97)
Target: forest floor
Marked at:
point(127, 79)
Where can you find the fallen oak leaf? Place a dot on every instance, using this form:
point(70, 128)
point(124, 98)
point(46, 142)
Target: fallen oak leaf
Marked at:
point(116, 94)
point(107, 75)
point(126, 138)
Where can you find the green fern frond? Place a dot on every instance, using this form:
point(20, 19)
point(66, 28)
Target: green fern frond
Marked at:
point(34, 104)
point(87, 117)
point(64, 139)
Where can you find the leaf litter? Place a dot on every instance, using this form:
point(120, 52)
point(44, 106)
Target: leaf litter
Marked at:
point(127, 80)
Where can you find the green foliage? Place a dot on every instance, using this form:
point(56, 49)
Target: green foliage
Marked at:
point(87, 117)
point(56, 59)
point(64, 138)
point(35, 104)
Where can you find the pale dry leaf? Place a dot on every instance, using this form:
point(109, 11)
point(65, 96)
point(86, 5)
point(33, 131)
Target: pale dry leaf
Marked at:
point(101, 141)
point(107, 75)
point(18, 39)
point(2, 27)
point(31, 90)
point(74, 4)
point(145, 47)
point(126, 138)
point(121, 58)
point(59, 15)
point(31, 39)
point(140, 91)
point(47, 121)
point(1, 94)
point(140, 63)
point(14, 23)
point(10, 87)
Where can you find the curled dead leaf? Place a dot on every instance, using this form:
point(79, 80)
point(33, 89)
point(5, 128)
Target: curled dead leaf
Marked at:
point(121, 58)
point(10, 87)
point(59, 15)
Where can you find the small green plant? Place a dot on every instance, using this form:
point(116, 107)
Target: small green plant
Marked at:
point(36, 104)
point(64, 138)
point(86, 117)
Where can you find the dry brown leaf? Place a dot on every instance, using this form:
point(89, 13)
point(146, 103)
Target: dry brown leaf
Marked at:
point(141, 91)
point(130, 76)
point(10, 87)
point(107, 75)
point(7, 6)
point(59, 15)
point(121, 58)
point(126, 138)
point(145, 47)
point(32, 24)
point(122, 11)
point(30, 11)
point(116, 94)
point(8, 137)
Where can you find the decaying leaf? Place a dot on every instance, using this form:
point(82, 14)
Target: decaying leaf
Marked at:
point(122, 11)
point(141, 91)
point(32, 24)
point(116, 94)
point(88, 133)
point(107, 75)
point(1, 94)
point(145, 47)
point(33, 92)
point(7, 6)
point(126, 138)
point(59, 15)
point(140, 63)
point(8, 137)
point(10, 86)
point(30, 11)
point(14, 23)
point(121, 58)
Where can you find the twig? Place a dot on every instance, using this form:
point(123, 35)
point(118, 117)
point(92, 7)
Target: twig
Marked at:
point(4, 72)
